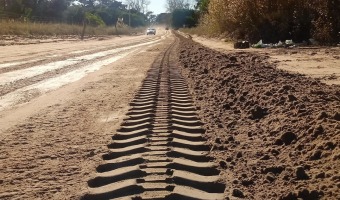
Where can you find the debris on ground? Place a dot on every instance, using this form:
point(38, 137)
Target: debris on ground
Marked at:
point(286, 44)
point(242, 45)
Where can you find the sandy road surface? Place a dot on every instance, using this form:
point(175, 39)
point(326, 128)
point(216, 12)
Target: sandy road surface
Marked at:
point(58, 105)
point(27, 72)
point(159, 152)
point(266, 133)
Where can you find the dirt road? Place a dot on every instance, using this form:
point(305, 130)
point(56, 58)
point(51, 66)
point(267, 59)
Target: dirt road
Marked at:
point(162, 117)
point(59, 104)
point(159, 152)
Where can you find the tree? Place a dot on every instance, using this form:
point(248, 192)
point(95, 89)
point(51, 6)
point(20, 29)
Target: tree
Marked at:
point(94, 12)
point(273, 20)
point(150, 17)
point(4, 4)
point(172, 5)
point(88, 3)
point(202, 6)
point(74, 14)
point(184, 18)
point(113, 4)
point(164, 18)
point(94, 19)
point(138, 5)
point(110, 11)
point(56, 8)
point(50, 10)
point(144, 5)
point(326, 25)
point(14, 6)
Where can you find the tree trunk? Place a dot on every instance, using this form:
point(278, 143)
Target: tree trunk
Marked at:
point(83, 32)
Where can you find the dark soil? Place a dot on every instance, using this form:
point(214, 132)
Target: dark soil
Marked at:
point(275, 134)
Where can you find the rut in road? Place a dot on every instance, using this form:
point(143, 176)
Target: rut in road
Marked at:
point(159, 152)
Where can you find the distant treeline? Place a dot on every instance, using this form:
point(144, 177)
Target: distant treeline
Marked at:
point(96, 12)
point(272, 20)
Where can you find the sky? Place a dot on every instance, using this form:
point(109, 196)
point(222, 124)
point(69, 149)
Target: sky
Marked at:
point(157, 6)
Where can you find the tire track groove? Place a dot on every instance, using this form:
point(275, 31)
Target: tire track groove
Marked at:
point(159, 152)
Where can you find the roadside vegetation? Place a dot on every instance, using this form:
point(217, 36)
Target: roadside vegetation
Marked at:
point(28, 29)
point(271, 21)
point(68, 17)
point(181, 13)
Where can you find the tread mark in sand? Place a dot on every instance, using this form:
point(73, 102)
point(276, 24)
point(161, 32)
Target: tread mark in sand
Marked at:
point(159, 152)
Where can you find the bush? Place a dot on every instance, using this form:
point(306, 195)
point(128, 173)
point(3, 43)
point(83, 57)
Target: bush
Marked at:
point(272, 21)
point(94, 20)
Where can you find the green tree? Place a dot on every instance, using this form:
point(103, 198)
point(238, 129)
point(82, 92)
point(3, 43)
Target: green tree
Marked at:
point(151, 18)
point(184, 18)
point(138, 5)
point(56, 8)
point(90, 4)
point(74, 14)
point(202, 6)
point(164, 18)
point(172, 5)
point(110, 11)
point(94, 19)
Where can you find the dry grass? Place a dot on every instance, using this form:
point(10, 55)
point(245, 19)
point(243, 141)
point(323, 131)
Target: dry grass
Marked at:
point(192, 31)
point(52, 29)
point(199, 30)
point(273, 21)
point(204, 31)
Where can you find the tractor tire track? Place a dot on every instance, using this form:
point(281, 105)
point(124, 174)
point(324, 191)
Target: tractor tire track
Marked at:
point(159, 152)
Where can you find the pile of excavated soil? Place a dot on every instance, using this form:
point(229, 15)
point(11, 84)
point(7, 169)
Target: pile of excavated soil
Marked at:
point(275, 134)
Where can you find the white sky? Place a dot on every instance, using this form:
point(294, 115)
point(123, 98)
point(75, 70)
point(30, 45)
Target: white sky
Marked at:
point(157, 6)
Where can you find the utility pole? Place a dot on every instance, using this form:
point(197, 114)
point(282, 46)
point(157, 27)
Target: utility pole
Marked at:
point(129, 15)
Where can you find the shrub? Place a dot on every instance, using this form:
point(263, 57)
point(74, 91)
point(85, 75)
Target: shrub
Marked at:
point(272, 21)
point(94, 20)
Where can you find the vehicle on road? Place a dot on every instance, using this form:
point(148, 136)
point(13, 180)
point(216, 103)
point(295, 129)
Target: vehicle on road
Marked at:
point(151, 31)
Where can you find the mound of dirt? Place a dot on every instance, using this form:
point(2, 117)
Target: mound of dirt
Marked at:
point(275, 134)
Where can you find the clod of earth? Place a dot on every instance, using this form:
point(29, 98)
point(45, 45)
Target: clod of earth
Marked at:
point(238, 193)
point(288, 137)
point(301, 173)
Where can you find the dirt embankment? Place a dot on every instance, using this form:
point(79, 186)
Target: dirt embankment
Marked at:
point(318, 62)
point(275, 134)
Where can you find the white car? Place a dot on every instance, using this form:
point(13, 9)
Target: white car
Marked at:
point(151, 31)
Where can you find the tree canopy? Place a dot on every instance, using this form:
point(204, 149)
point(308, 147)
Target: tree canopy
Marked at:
point(100, 12)
point(181, 14)
point(172, 5)
point(184, 18)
